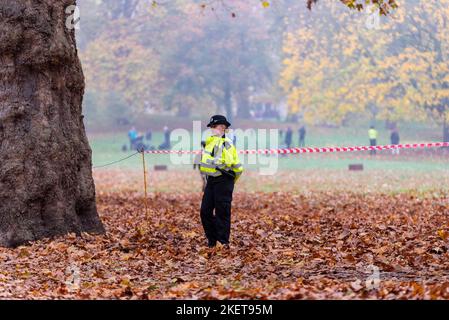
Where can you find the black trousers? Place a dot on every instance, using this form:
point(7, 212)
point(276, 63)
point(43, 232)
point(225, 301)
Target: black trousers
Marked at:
point(373, 143)
point(217, 196)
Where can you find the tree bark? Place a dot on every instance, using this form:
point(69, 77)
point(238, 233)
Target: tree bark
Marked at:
point(46, 185)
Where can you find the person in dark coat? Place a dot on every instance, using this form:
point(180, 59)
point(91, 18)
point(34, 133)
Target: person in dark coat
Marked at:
point(132, 135)
point(395, 139)
point(288, 137)
point(149, 135)
point(166, 144)
point(302, 136)
point(167, 136)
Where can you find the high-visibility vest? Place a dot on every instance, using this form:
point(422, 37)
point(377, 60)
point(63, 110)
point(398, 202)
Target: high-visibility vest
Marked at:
point(372, 134)
point(220, 154)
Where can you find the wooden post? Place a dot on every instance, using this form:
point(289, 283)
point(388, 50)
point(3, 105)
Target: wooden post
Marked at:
point(145, 200)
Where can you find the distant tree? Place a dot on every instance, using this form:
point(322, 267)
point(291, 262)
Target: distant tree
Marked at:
point(396, 72)
point(423, 39)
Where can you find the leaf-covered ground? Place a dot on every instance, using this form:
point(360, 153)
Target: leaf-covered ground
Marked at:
point(285, 245)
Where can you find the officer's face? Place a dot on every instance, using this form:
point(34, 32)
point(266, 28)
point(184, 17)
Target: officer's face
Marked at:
point(219, 129)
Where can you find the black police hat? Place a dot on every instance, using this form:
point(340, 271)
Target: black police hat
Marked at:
point(218, 119)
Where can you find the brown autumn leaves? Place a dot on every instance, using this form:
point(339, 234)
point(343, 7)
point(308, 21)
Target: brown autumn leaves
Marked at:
point(284, 246)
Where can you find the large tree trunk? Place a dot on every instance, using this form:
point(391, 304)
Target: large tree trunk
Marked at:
point(46, 185)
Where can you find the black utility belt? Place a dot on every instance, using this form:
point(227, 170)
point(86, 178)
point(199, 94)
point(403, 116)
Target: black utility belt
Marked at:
point(221, 177)
point(230, 174)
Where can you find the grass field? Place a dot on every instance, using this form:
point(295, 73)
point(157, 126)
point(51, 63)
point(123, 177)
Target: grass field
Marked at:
point(107, 148)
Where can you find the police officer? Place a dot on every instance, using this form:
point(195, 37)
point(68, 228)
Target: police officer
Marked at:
point(372, 133)
point(221, 164)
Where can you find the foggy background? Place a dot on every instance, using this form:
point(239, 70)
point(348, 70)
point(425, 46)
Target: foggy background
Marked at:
point(269, 64)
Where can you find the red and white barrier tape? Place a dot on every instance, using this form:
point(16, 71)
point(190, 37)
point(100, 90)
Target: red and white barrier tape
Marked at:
point(317, 150)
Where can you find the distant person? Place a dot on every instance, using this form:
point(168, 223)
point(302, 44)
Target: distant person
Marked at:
point(149, 136)
point(446, 137)
point(288, 137)
point(132, 135)
point(139, 143)
point(167, 135)
point(394, 137)
point(166, 144)
point(302, 136)
point(281, 134)
point(372, 133)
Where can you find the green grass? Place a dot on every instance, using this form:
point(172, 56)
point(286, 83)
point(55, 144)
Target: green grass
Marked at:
point(107, 148)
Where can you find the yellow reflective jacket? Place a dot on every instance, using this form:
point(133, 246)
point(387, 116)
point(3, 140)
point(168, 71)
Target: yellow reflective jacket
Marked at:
point(372, 133)
point(220, 154)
